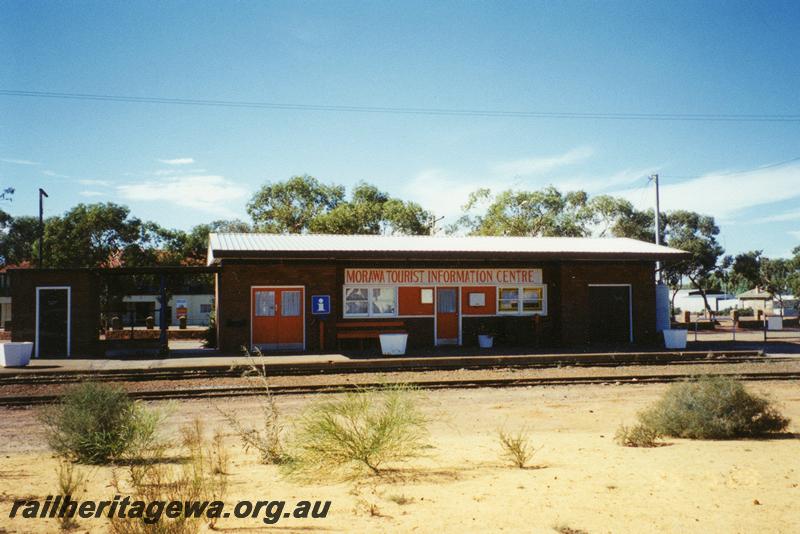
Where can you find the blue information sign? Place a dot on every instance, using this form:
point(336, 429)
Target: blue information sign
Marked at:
point(320, 304)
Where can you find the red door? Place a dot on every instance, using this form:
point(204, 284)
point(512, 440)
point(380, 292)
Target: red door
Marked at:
point(447, 316)
point(277, 318)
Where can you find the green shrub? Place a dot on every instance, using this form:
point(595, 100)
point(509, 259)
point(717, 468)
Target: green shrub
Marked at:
point(636, 436)
point(97, 423)
point(516, 447)
point(712, 408)
point(360, 432)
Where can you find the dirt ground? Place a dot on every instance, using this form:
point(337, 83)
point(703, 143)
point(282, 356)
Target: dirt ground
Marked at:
point(581, 480)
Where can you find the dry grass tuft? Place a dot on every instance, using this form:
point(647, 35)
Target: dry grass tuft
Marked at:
point(516, 448)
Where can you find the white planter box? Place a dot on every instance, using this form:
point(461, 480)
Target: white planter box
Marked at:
point(675, 339)
point(15, 354)
point(485, 341)
point(393, 344)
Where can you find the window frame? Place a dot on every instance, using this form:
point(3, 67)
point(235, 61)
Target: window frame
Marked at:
point(520, 289)
point(370, 313)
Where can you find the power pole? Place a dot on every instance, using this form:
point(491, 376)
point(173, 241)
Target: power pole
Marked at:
point(42, 195)
point(654, 178)
point(434, 220)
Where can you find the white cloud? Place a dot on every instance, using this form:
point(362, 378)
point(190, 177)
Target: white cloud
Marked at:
point(536, 165)
point(19, 161)
point(597, 183)
point(785, 216)
point(444, 193)
point(724, 195)
point(174, 172)
point(795, 233)
point(177, 161)
point(54, 174)
point(91, 193)
point(101, 183)
point(207, 193)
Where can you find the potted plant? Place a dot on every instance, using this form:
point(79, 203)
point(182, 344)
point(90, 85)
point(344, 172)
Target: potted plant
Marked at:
point(485, 336)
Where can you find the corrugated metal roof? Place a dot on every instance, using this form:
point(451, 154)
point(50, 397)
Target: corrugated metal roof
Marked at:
point(232, 245)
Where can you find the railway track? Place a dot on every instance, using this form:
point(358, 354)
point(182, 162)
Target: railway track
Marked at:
point(210, 392)
point(177, 374)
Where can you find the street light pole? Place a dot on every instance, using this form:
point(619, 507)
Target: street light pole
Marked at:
point(42, 195)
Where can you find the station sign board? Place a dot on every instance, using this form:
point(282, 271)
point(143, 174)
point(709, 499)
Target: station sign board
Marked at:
point(442, 277)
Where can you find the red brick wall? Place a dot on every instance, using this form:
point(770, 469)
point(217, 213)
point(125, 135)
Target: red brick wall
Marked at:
point(574, 289)
point(85, 306)
point(233, 303)
point(566, 323)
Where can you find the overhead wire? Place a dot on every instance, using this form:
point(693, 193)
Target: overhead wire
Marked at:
point(710, 117)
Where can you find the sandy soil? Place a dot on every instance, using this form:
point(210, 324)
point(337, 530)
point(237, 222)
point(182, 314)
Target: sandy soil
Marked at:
point(582, 479)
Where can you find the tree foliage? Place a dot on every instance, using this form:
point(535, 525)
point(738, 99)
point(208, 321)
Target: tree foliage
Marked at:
point(777, 276)
point(543, 213)
point(18, 237)
point(617, 217)
point(697, 235)
point(291, 206)
point(303, 204)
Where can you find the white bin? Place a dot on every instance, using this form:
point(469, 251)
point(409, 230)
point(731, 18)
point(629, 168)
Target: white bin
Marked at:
point(393, 344)
point(775, 323)
point(675, 339)
point(16, 354)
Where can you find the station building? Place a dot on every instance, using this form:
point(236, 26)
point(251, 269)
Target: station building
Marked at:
point(321, 292)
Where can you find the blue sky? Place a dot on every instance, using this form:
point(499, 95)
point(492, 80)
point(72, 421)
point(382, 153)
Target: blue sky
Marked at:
point(182, 165)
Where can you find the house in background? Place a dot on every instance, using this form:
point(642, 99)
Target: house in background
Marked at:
point(692, 300)
point(760, 299)
point(197, 309)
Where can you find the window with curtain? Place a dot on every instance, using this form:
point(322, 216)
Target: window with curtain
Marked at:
point(290, 303)
point(265, 303)
point(446, 301)
point(370, 301)
point(356, 301)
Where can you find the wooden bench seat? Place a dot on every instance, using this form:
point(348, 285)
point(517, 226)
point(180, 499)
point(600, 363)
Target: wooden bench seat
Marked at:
point(367, 333)
point(362, 330)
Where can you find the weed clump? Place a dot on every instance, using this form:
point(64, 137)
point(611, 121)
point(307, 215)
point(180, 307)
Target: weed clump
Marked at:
point(267, 438)
point(70, 481)
point(637, 436)
point(97, 423)
point(516, 448)
point(360, 432)
point(712, 408)
point(197, 476)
